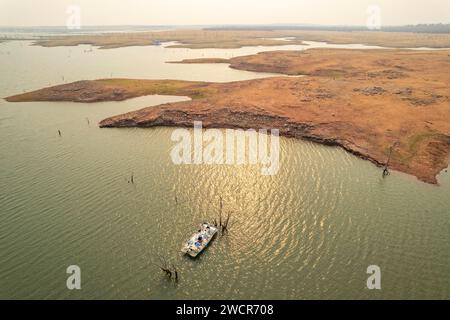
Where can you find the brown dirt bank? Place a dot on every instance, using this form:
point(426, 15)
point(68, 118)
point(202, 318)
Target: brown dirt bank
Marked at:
point(363, 100)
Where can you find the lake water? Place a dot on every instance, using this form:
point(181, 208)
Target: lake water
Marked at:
point(310, 231)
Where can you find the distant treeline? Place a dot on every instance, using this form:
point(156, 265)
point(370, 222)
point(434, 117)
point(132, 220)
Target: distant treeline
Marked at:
point(419, 28)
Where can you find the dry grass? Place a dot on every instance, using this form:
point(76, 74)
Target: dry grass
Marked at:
point(115, 90)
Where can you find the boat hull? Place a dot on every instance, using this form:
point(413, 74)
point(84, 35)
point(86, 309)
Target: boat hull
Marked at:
point(200, 240)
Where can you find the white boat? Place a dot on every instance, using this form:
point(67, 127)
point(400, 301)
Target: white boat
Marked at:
point(199, 240)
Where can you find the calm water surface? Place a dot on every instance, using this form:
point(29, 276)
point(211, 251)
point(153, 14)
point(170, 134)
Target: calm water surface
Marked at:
point(310, 231)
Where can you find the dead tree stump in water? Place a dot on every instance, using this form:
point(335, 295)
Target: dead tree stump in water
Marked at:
point(170, 271)
point(386, 166)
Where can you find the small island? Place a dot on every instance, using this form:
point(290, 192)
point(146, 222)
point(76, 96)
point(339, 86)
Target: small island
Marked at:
point(365, 101)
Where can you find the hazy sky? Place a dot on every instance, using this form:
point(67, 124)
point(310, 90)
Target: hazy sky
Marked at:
point(155, 12)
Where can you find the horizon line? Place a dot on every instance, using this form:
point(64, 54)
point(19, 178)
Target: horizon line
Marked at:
point(225, 24)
